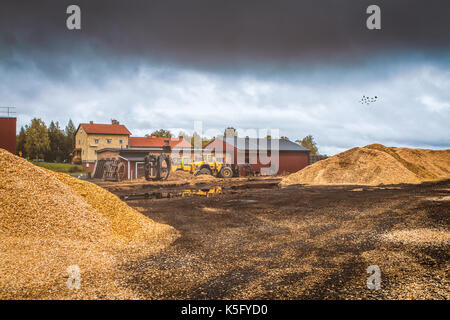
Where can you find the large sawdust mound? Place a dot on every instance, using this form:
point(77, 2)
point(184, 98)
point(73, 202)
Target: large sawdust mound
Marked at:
point(376, 164)
point(50, 221)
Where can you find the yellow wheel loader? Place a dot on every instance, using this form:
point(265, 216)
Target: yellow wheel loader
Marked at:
point(210, 165)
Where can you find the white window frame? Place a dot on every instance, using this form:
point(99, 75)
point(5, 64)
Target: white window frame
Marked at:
point(135, 169)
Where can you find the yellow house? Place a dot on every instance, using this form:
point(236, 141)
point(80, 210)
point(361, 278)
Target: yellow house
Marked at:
point(93, 136)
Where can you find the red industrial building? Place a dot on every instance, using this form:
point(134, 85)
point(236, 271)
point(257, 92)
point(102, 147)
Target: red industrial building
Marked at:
point(262, 153)
point(8, 134)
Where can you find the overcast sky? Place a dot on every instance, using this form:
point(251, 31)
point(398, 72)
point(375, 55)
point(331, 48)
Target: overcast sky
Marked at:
point(298, 66)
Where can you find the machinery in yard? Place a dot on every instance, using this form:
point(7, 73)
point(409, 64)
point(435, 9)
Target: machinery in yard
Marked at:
point(211, 165)
point(114, 170)
point(183, 164)
point(157, 167)
point(208, 164)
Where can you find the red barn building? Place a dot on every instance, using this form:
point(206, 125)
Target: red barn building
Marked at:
point(266, 156)
point(8, 134)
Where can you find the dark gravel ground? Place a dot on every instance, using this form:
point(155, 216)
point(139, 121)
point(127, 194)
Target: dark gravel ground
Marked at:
point(299, 242)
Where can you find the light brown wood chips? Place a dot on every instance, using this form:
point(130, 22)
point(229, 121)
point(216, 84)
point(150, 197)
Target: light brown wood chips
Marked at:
point(375, 164)
point(50, 221)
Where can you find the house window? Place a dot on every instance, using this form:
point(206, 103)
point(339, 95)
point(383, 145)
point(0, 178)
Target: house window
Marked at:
point(120, 141)
point(108, 141)
point(96, 141)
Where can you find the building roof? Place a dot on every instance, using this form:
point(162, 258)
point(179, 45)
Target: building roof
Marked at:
point(146, 142)
point(97, 128)
point(146, 150)
point(254, 144)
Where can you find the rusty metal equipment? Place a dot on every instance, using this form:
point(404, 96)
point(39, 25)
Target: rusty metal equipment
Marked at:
point(157, 167)
point(114, 170)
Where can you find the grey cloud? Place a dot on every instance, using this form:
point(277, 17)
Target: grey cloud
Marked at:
point(412, 109)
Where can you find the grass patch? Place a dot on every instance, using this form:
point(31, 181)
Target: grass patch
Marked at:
point(59, 167)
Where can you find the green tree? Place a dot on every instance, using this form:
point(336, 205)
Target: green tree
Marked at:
point(206, 141)
point(58, 143)
point(161, 133)
point(196, 139)
point(201, 141)
point(69, 145)
point(309, 143)
point(20, 142)
point(185, 135)
point(37, 142)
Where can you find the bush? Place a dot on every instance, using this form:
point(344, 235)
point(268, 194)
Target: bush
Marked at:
point(74, 169)
point(60, 167)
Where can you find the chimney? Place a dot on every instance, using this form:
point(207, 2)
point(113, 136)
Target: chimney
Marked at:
point(113, 121)
point(91, 122)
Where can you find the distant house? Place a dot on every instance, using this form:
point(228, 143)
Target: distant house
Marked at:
point(95, 141)
point(91, 137)
point(256, 151)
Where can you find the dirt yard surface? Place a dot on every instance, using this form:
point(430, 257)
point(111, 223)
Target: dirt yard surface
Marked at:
point(298, 242)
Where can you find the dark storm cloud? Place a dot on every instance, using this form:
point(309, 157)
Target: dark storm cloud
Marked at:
point(223, 34)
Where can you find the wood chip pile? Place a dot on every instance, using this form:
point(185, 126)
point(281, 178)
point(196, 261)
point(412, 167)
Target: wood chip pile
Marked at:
point(374, 165)
point(50, 221)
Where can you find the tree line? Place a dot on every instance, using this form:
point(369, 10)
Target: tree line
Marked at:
point(52, 144)
point(162, 133)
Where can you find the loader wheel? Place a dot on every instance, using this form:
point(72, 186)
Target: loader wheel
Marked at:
point(120, 172)
point(204, 171)
point(226, 172)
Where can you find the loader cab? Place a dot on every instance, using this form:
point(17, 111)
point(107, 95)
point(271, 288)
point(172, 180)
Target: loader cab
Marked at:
point(209, 158)
point(186, 165)
point(182, 163)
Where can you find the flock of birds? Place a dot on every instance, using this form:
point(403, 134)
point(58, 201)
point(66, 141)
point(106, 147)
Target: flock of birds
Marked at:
point(368, 100)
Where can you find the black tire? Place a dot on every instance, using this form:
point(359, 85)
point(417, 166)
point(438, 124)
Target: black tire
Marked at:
point(120, 172)
point(165, 169)
point(204, 171)
point(226, 172)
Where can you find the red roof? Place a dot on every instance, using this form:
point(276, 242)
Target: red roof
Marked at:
point(105, 128)
point(144, 142)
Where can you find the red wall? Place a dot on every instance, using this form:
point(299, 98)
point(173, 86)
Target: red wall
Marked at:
point(289, 161)
point(292, 161)
point(90, 168)
point(8, 134)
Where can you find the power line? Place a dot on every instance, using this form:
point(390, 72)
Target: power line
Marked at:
point(8, 111)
